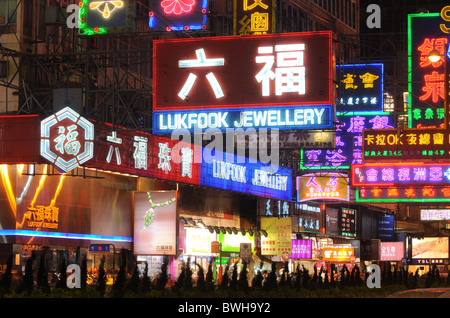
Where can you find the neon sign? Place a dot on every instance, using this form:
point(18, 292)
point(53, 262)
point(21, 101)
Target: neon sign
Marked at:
point(425, 78)
point(332, 186)
point(360, 87)
point(401, 174)
point(245, 71)
point(405, 144)
point(178, 15)
point(348, 222)
point(403, 194)
point(235, 173)
point(253, 17)
point(67, 139)
point(349, 140)
point(283, 118)
point(106, 17)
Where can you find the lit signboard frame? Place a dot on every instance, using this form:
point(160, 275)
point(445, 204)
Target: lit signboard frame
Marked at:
point(236, 63)
point(420, 144)
point(347, 221)
point(434, 214)
point(331, 186)
point(280, 117)
point(178, 16)
point(107, 17)
point(360, 87)
point(348, 141)
point(253, 18)
point(426, 255)
point(401, 174)
point(424, 75)
point(235, 173)
point(403, 194)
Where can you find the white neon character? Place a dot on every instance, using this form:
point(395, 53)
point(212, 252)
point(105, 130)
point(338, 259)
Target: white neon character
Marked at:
point(164, 157)
point(186, 162)
point(289, 73)
point(140, 152)
point(201, 61)
point(113, 138)
point(72, 146)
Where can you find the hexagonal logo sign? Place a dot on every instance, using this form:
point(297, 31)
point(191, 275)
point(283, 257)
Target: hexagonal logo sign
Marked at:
point(67, 139)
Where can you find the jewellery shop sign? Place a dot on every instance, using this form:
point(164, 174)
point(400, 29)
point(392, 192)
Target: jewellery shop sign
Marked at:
point(68, 141)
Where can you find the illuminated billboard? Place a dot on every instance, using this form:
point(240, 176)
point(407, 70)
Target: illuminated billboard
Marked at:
point(107, 17)
point(397, 174)
point(329, 186)
point(349, 141)
point(278, 239)
point(403, 194)
point(280, 117)
point(155, 223)
point(426, 78)
point(301, 249)
point(235, 173)
point(175, 15)
point(430, 250)
point(233, 72)
point(420, 144)
point(253, 17)
point(338, 254)
point(434, 214)
point(359, 87)
point(392, 251)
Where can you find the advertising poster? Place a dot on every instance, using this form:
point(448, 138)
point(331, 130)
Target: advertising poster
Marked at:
point(392, 251)
point(278, 238)
point(430, 250)
point(155, 220)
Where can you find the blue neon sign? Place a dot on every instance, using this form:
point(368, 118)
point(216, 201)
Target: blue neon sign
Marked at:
point(235, 173)
point(280, 117)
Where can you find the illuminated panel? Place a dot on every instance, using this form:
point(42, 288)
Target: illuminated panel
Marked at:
point(257, 71)
point(67, 139)
point(235, 173)
point(348, 148)
point(434, 214)
point(392, 251)
point(178, 15)
point(403, 194)
point(253, 17)
point(301, 249)
point(347, 222)
point(332, 186)
point(359, 87)
point(405, 144)
point(338, 254)
point(106, 17)
point(282, 118)
point(146, 155)
point(155, 218)
point(401, 174)
point(430, 251)
point(425, 78)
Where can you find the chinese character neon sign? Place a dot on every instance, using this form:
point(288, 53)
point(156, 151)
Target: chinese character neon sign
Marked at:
point(417, 193)
point(253, 17)
point(67, 139)
point(425, 78)
point(333, 186)
point(407, 144)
